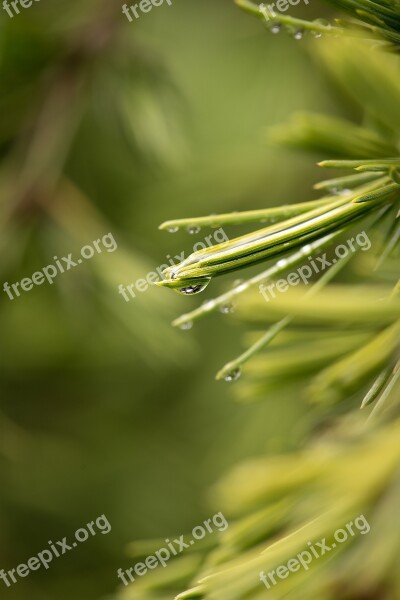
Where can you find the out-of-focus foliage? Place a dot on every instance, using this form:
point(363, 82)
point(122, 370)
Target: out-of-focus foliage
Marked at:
point(62, 78)
point(281, 504)
point(277, 505)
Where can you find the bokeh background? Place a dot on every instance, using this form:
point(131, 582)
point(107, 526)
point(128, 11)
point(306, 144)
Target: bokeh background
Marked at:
point(111, 126)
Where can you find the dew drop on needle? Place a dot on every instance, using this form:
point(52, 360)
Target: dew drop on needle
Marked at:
point(233, 375)
point(275, 28)
point(186, 325)
point(227, 309)
point(195, 288)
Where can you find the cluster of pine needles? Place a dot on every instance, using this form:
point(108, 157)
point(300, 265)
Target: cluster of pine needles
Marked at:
point(337, 342)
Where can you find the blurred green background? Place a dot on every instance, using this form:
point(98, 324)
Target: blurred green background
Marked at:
point(104, 407)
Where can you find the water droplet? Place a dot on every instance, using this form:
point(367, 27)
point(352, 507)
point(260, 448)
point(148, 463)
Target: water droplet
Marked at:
point(281, 264)
point(316, 34)
point(186, 325)
point(298, 35)
point(193, 229)
point(195, 288)
point(226, 309)
point(172, 229)
point(233, 375)
point(192, 289)
point(275, 28)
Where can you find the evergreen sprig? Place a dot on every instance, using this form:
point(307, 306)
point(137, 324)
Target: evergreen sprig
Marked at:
point(336, 342)
point(368, 198)
point(377, 21)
